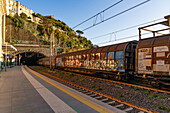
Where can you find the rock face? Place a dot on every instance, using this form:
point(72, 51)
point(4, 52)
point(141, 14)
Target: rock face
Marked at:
point(23, 36)
point(18, 35)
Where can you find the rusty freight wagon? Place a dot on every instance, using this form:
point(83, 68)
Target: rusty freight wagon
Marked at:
point(116, 60)
point(153, 56)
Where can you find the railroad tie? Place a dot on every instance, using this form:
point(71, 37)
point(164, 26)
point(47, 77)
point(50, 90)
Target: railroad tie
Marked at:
point(128, 109)
point(141, 112)
point(98, 97)
point(89, 93)
point(93, 95)
point(111, 102)
point(120, 105)
point(81, 90)
point(77, 88)
point(104, 99)
point(85, 91)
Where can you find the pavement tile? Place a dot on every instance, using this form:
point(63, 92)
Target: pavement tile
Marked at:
point(5, 109)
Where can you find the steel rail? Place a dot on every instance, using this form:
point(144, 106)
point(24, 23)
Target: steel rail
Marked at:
point(123, 83)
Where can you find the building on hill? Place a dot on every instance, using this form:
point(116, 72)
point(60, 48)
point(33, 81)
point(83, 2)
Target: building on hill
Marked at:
point(11, 7)
point(14, 8)
point(37, 20)
point(51, 17)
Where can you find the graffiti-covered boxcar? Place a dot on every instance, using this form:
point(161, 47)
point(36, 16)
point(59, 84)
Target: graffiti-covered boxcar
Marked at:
point(117, 58)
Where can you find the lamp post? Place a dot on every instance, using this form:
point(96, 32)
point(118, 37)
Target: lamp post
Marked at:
point(6, 58)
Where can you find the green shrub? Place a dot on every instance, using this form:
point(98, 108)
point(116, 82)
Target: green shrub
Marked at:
point(138, 91)
point(120, 95)
point(33, 31)
point(77, 79)
point(93, 86)
point(40, 28)
point(160, 97)
point(82, 80)
point(23, 16)
point(117, 86)
point(29, 17)
point(69, 76)
point(162, 108)
point(99, 89)
point(153, 96)
point(153, 106)
point(136, 88)
point(146, 92)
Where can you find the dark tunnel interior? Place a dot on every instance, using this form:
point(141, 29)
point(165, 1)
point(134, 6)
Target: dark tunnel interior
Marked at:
point(29, 58)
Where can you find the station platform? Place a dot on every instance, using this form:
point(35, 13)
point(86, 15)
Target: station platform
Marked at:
point(23, 90)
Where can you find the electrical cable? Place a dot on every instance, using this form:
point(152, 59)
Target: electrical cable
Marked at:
point(98, 13)
point(125, 29)
point(117, 14)
point(120, 39)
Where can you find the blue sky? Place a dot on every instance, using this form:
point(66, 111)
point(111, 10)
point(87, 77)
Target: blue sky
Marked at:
point(73, 12)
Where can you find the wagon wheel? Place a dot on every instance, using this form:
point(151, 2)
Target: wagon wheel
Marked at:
point(123, 78)
point(155, 83)
point(105, 75)
point(117, 77)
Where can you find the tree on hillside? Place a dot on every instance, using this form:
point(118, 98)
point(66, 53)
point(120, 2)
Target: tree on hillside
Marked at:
point(29, 17)
point(80, 32)
point(23, 16)
point(49, 30)
point(96, 46)
point(39, 16)
point(33, 14)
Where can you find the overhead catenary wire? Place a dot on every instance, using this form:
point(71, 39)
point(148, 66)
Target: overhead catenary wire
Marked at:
point(116, 14)
point(124, 29)
point(120, 39)
point(99, 13)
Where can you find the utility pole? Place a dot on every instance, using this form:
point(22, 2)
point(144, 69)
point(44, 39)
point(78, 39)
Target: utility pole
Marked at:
point(52, 45)
point(6, 58)
point(10, 31)
point(51, 51)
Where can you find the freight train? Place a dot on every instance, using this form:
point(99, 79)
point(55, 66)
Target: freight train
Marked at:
point(147, 58)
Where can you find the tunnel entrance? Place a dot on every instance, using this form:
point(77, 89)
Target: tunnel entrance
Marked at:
point(29, 58)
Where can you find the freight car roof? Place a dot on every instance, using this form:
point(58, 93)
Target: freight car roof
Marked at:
point(163, 40)
point(115, 47)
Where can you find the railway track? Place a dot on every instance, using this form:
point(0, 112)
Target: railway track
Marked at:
point(122, 105)
point(143, 86)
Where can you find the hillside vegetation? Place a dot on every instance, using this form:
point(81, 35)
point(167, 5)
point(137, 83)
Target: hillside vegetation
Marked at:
point(65, 38)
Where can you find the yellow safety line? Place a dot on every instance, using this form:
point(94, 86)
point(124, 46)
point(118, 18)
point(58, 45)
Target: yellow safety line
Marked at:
point(89, 103)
